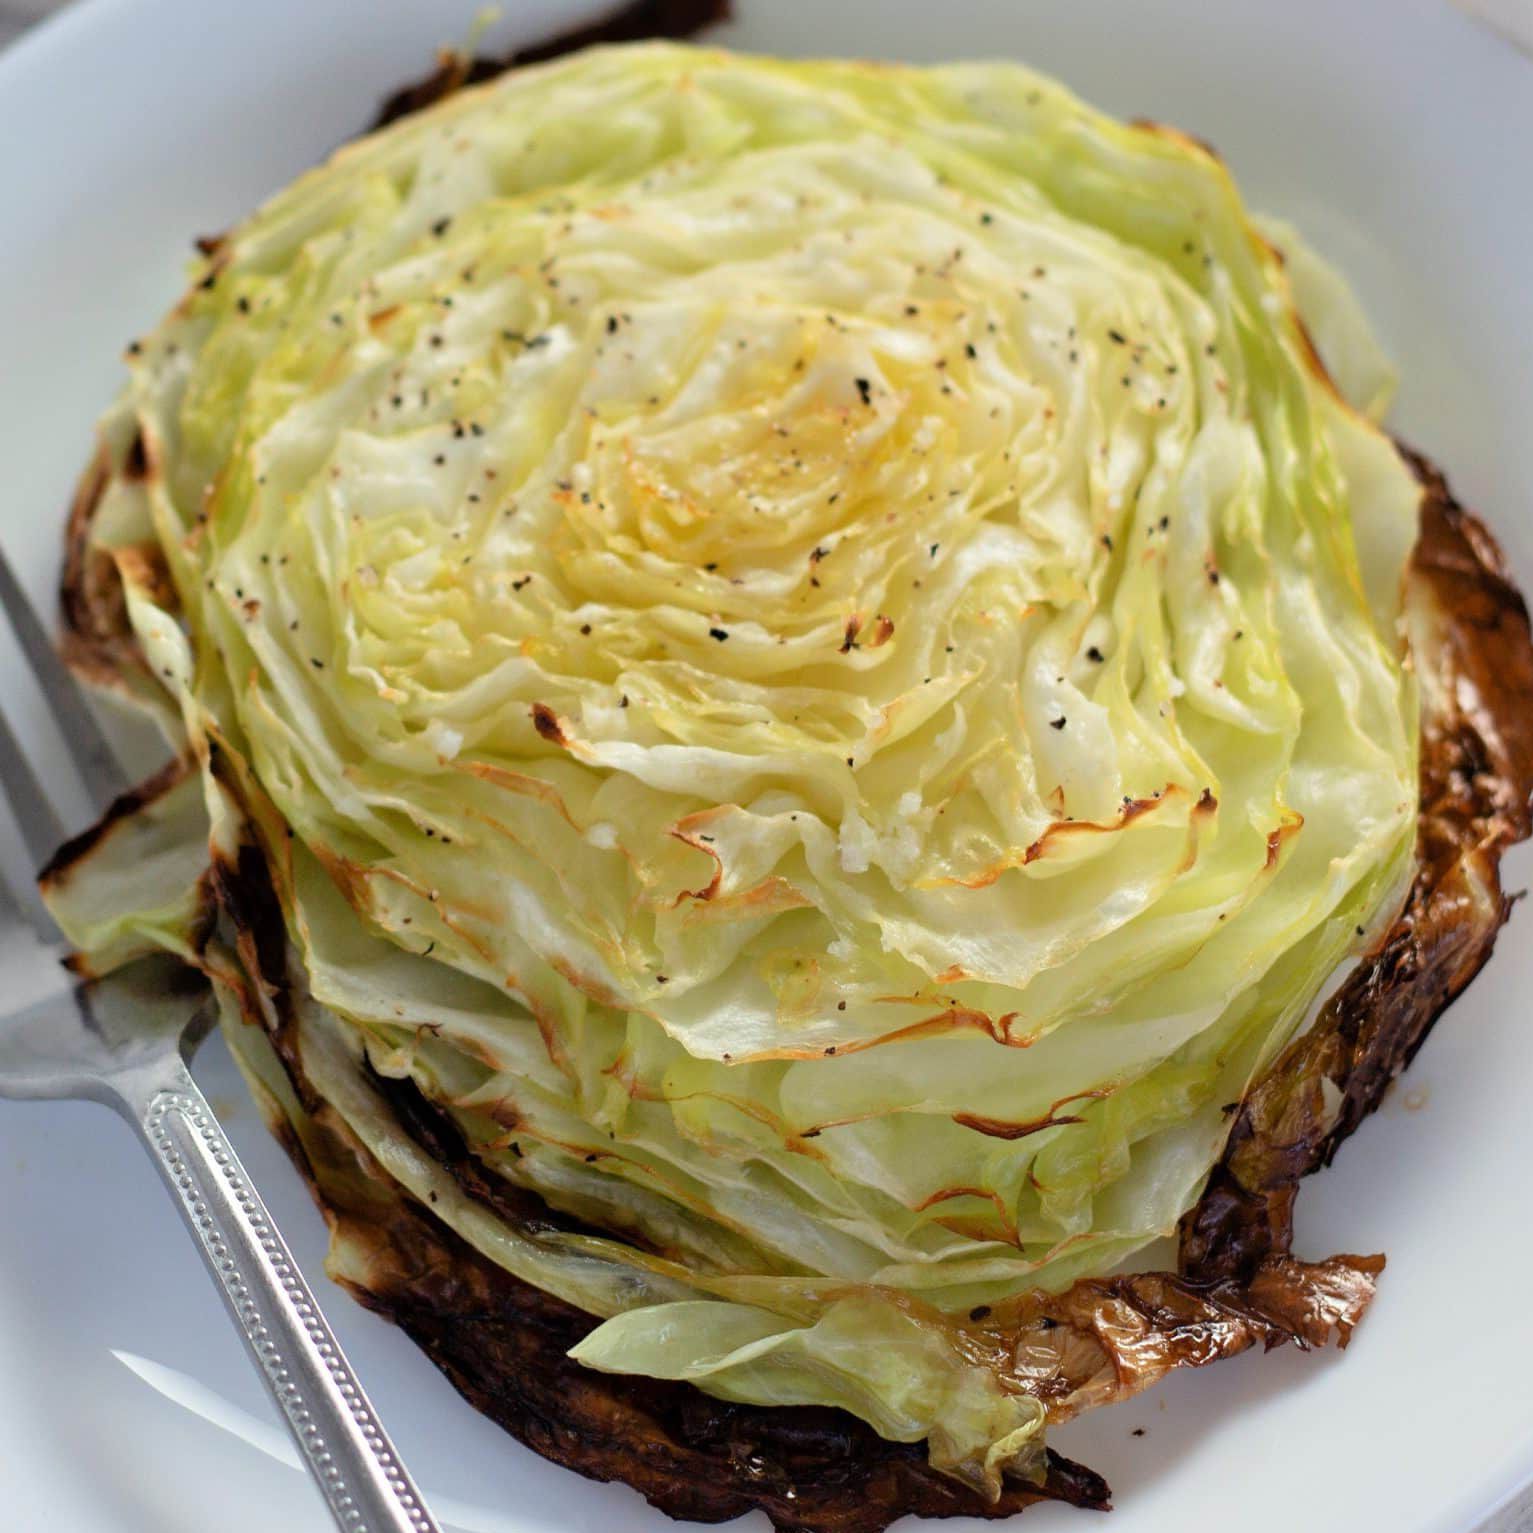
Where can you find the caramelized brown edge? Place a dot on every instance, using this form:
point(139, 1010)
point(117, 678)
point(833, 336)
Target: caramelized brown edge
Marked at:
point(1476, 776)
point(635, 22)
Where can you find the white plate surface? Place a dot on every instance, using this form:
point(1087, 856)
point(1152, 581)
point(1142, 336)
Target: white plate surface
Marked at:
point(1397, 134)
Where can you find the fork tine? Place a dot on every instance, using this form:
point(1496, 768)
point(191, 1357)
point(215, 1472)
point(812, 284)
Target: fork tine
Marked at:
point(94, 758)
point(40, 826)
point(20, 905)
point(10, 907)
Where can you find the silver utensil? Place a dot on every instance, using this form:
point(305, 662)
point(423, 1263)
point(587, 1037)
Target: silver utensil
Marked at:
point(126, 1041)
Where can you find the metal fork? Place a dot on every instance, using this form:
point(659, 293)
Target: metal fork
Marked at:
point(126, 1041)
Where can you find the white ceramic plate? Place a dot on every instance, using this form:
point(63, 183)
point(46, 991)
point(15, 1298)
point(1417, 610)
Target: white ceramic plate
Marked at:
point(1397, 134)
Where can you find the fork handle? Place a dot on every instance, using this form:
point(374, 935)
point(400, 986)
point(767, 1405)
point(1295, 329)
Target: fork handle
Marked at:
point(349, 1454)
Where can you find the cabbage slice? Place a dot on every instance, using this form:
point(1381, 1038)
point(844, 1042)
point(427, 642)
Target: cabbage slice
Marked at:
point(810, 659)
